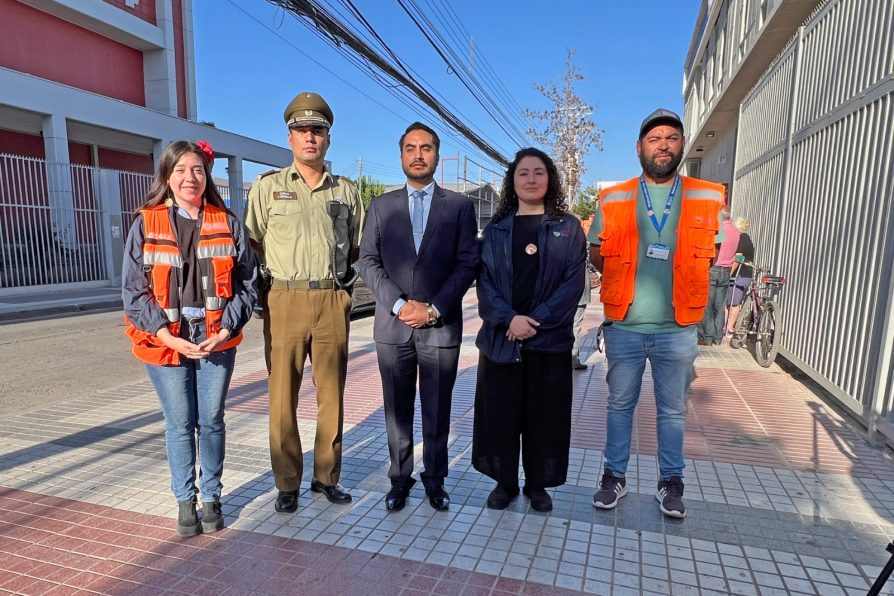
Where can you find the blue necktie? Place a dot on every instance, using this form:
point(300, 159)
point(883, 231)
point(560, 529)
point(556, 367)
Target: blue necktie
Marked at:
point(418, 221)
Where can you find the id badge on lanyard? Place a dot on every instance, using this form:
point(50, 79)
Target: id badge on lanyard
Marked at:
point(657, 250)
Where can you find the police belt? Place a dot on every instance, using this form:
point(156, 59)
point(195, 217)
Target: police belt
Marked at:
point(303, 284)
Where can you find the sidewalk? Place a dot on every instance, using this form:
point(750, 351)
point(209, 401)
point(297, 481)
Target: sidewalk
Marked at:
point(784, 497)
point(28, 306)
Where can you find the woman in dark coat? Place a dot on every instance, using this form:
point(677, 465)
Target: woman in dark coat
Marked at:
point(533, 260)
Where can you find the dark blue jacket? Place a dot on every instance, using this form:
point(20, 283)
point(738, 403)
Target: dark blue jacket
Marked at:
point(557, 291)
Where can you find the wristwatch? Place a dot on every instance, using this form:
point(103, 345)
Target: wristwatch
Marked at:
point(432, 319)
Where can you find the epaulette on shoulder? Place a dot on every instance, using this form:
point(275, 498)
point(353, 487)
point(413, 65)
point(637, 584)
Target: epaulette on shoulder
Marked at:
point(268, 172)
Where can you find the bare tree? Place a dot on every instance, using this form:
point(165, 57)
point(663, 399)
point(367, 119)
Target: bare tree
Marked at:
point(567, 129)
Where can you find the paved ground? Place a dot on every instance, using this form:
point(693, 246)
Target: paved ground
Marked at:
point(784, 497)
point(18, 306)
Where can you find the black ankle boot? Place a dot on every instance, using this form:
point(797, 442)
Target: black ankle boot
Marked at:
point(187, 520)
point(212, 517)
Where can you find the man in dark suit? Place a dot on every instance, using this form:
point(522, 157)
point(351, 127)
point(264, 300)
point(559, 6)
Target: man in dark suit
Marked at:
point(418, 255)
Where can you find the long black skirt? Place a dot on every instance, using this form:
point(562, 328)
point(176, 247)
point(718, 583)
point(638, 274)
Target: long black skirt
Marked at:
point(529, 403)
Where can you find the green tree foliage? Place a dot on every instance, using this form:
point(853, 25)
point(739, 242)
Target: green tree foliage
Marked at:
point(583, 207)
point(369, 189)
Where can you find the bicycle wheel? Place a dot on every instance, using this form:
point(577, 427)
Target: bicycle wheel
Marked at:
point(743, 324)
point(767, 345)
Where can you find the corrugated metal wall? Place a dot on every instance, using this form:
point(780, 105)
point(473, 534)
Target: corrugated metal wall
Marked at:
point(813, 173)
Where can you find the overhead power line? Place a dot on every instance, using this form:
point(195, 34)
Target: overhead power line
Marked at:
point(488, 99)
point(330, 28)
point(394, 90)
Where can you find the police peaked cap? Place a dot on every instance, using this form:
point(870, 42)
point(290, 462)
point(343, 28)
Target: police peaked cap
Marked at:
point(308, 109)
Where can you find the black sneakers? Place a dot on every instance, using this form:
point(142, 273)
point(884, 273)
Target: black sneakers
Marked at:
point(610, 490)
point(212, 518)
point(670, 495)
point(187, 520)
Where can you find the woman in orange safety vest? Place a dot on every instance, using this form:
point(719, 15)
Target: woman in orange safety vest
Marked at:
point(189, 284)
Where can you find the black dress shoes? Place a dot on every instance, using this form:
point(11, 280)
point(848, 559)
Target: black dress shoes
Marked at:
point(438, 498)
point(287, 501)
point(335, 493)
point(396, 499)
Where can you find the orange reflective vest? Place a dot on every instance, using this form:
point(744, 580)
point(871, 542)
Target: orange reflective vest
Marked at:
point(163, 262)
point(700, 203)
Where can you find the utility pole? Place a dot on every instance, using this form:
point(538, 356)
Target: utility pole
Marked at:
point(360, 175)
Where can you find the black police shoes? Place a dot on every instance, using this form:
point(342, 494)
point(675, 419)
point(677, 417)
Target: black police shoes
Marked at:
point(335, 493)
point(287, 501)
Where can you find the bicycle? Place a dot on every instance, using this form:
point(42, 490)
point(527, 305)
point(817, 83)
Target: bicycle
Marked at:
point(759, 321)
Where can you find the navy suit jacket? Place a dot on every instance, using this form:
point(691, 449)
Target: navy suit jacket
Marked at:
point(440, 274)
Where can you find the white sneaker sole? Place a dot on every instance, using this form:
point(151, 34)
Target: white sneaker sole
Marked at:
point(612, 505)
point(668, 512)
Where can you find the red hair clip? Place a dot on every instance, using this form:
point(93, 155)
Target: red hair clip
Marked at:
point(205, 146)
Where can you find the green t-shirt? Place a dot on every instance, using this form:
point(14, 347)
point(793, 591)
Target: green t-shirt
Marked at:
point(652, 310)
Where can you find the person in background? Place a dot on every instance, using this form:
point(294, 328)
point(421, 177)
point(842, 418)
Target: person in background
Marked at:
point(740, 271)
point(533, 270)
point(710, 329)
point(579, 312)
point(189, 285)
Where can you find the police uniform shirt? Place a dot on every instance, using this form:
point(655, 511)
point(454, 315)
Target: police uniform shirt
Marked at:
point(292, 223)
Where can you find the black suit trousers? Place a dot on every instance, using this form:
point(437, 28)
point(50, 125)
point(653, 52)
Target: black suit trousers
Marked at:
point(436, 368)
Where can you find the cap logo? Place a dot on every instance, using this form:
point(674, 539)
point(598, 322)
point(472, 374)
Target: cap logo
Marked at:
point(308, 112)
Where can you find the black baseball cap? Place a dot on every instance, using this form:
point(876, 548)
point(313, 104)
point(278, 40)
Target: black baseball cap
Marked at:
point(660, 116)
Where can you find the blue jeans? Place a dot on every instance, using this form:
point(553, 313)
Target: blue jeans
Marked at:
point(192, 399)
point(711, 326)
point(671, 356)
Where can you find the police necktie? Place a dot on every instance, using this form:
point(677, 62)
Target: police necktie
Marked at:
point(417, 218)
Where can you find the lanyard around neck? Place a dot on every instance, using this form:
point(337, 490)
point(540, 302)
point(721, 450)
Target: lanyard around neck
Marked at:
point(667, 206)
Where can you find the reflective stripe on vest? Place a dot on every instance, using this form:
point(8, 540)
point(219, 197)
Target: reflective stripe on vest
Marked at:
point(700, 203)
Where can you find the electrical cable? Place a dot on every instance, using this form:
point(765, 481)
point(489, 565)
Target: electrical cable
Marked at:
point(329, 27)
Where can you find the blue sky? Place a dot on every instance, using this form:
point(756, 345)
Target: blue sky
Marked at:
point(630, 52)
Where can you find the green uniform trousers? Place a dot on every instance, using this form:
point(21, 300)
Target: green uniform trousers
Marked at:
point(298, 324)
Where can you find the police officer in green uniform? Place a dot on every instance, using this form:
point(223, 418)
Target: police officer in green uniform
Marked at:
point(306, 225)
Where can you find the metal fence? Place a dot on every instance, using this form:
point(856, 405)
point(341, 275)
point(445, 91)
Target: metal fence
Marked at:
point(54, 220)
point(225, 195)
point(814, 175)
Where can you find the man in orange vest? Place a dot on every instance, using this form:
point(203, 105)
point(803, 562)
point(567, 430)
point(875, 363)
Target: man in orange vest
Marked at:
point(653, 240)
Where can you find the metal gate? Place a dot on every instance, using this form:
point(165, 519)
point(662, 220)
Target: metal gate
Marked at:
point(54, 221)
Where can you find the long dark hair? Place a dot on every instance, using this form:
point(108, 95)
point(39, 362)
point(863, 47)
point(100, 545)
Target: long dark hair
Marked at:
point(553, 203)
point(160, 191)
